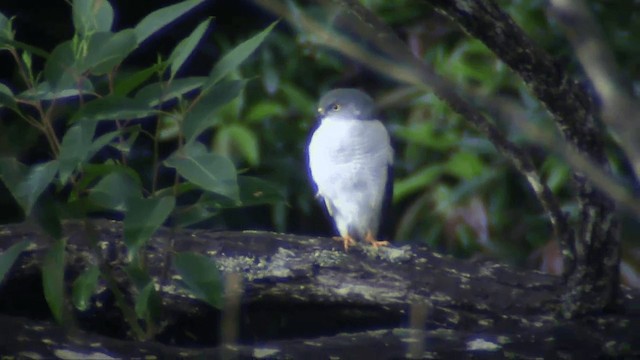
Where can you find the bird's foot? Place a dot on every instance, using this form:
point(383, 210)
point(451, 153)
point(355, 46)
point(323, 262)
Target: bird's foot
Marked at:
point(372, 240)
point(347, 241)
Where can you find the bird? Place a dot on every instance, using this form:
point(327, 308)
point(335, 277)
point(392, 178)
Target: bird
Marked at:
point(350, 161)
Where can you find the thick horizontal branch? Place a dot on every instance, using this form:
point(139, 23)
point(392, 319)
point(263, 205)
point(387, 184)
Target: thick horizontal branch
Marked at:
point(303, 294)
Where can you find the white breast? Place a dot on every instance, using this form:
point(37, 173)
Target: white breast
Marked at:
point(349, 161)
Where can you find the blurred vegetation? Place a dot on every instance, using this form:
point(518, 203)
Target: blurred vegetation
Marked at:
point(452, 189)
point(249, 125)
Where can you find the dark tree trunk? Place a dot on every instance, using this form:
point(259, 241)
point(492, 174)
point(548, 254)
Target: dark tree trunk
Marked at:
point(592, 259)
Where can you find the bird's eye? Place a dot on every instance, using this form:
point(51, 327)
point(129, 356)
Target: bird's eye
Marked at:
point(335, 107)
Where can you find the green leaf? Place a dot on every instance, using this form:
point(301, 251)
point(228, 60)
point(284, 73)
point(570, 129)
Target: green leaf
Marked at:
point(425, 134)
point(465, 165)
point(126, 83)
point(231, 60)
point(202, 114)
point(9, 256)
point(60, 70)
point(162, 17)
point(159, 92)
point(6, 29)
point(264, 110)
point(13, 173)
point(142, 301)
point(148, 302)
point(84, 286)
point(46, 213)
point(90, 16)
point(126, 144)
point(169, 126)
point(53, 266)
point(7, 40)
point(43, 91)
point(298, 97)
point(416, 181)
point(105, 139)
point(113, 108)
point(115, 190)
point(138, 275)
point(75, 148)
point(207, 170)
point(201, 275)
point(36, 181)
point(255, 191)
point(7, 98)
point(184, 49)
point(556, 172)
point(192, 214)
point(10, 43)
point(93, 172)
point(176, 190)
point(106, 50)
point(240, 138)
point(28, 61)
point(143, 218)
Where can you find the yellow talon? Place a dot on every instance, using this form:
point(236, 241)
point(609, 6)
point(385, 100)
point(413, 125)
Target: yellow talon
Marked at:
point(347, 240)
point(372, 240)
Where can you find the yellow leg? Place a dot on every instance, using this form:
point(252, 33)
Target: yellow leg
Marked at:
point(347, 240)
point(372, 240)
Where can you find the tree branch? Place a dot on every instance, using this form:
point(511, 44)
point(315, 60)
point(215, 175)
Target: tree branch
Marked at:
point(594, 280)
point(619, 109)
point(397, 62)
point(289, 282)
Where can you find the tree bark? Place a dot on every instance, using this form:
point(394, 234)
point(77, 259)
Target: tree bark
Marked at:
point(593, 268)
point(304, 296)
point(591, 251)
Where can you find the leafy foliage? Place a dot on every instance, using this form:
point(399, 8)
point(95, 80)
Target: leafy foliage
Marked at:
point(53, 279)
point(8, 257)
point(92, 166)
point(201, 276)
point(84, 286)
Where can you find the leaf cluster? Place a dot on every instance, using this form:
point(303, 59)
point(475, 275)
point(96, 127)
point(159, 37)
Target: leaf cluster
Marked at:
point(79, 92)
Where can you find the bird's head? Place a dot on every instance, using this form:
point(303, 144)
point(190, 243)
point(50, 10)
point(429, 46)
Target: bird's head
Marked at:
point(347, 104)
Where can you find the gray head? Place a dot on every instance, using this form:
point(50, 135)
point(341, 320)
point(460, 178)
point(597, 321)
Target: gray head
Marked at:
point(346, 104)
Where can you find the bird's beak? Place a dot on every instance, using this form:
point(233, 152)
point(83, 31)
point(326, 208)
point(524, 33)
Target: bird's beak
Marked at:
point(320, 114)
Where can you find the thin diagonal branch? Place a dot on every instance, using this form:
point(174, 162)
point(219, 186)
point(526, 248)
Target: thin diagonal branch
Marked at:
point(618, 108)
point(594, 283)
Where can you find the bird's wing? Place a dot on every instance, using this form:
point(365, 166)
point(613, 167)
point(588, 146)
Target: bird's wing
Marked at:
point(327, 203)
point(382, 161)
point(387, 221)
